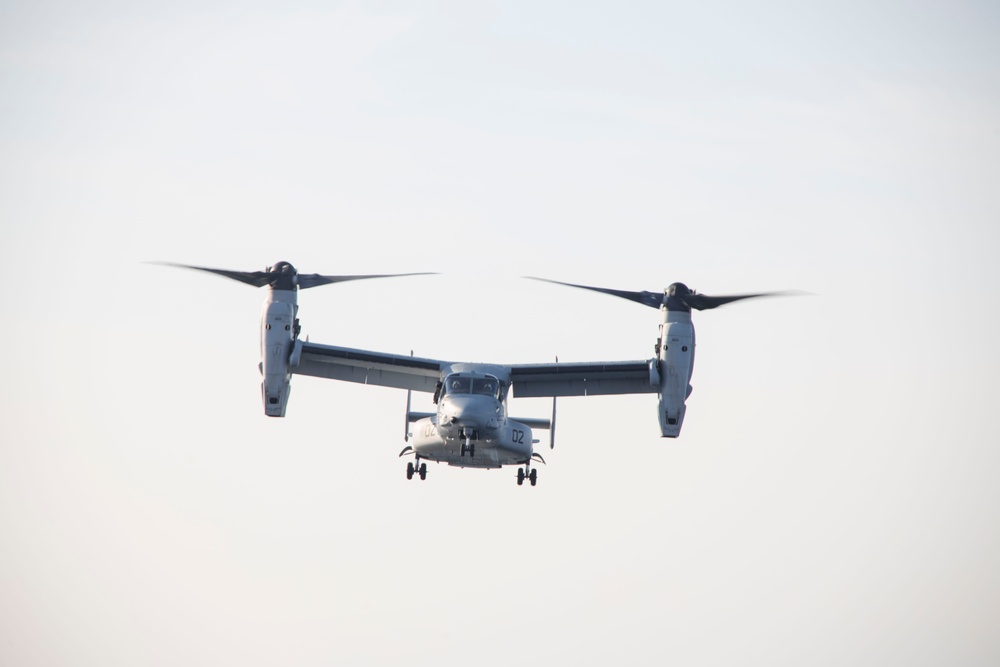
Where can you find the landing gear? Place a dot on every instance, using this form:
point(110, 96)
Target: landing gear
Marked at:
point(411, 469)
point(467, 447)
point(531, 476)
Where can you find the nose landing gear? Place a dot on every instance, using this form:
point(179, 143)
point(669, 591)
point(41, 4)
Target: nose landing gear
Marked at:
point(467, 446)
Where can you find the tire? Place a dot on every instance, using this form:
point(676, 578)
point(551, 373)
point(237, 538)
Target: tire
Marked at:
point(520, 476)
point(533, 476)
point(409, 470)
point(423, 471)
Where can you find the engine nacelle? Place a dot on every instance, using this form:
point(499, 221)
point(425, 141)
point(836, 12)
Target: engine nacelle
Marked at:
point(277, 339)
point(676, 361)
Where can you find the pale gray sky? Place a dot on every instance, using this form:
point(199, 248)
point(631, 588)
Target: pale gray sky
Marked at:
point(832, 499)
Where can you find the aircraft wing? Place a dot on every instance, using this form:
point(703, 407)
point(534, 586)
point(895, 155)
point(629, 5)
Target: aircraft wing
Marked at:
point(585, 379)
point(366, 367)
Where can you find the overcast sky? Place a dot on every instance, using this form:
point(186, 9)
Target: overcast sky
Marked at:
point(833, 497)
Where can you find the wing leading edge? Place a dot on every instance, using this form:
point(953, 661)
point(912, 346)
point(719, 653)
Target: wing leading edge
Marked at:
point(367, 367)
point(585, 379)
point(422, 374)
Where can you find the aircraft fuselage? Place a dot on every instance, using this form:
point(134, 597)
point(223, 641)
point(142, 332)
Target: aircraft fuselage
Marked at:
point(471, 428)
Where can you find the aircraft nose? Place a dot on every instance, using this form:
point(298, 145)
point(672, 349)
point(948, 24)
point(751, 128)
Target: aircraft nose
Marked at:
point(467, 410)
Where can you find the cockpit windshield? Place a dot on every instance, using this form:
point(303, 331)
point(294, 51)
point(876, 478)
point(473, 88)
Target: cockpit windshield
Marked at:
point(458, 385)
point(465, 384)
point(485, 386)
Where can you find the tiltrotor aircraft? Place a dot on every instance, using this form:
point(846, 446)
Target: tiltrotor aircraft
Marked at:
point(471, 427)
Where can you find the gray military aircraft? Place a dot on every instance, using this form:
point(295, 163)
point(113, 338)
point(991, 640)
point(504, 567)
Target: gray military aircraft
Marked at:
point(471, 427)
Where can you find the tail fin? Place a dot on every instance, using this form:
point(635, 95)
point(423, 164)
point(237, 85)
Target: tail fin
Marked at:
point(548, 424)
point(412, 417)
point(406, 426)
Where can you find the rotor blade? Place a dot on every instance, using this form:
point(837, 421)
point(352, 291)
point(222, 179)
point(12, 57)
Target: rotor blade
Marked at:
point(705, 302)
point(255, 278)
point(651, 299)
point(307, 280)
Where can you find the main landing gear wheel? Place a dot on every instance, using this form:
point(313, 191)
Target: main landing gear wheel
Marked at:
point(530, 476)
point(468, 449)
point(411, 469)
